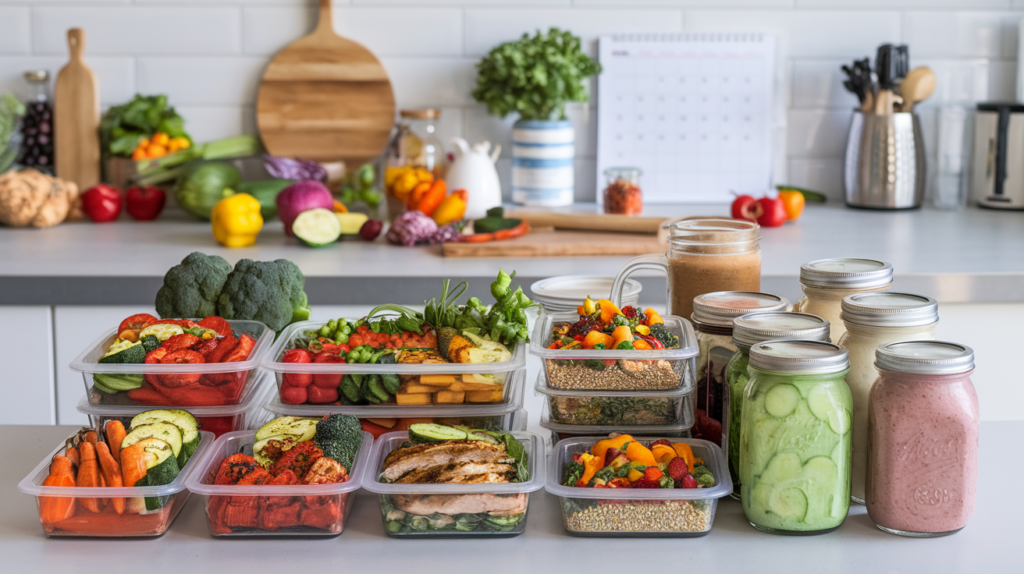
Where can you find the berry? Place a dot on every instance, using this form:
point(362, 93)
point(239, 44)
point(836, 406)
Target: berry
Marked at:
point(646, 483)
point(629, 311)
point(689, 481)
point(660, 441)
point(582, 327)
point(677, 469)
point(652, 473)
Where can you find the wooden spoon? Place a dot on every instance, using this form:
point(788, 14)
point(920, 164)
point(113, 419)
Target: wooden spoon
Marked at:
point(917, 87)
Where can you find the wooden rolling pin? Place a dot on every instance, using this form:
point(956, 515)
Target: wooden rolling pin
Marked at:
point(593, 222)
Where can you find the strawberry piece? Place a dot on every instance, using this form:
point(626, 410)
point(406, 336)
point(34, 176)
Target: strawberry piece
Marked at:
point(663, 441)
point(653, 473)
point(689, 482)
point(677, 469)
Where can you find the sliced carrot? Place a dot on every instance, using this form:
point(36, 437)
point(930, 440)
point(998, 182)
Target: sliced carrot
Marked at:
point(88, 474)
point(115, 432)
point(133, 464)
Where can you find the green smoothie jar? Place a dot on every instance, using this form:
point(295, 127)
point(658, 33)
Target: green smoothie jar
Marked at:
point(749, 330)
point(795, 439)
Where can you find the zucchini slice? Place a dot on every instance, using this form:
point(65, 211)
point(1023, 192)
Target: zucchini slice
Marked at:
point(183, 420)
point(165, 432)
point(303, 427)
point(163, 331)
point(124, 354)
point(285, 442)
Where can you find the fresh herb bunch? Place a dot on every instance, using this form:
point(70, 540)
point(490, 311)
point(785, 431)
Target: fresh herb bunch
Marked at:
point(124, 126)
point(11, 111)
point(407, 320)
point(444, 313)
point(534, 76)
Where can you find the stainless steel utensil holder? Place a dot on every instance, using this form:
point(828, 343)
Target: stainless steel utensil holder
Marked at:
point(884, 162)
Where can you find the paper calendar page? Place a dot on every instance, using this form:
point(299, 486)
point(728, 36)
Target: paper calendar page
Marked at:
point(694, 112)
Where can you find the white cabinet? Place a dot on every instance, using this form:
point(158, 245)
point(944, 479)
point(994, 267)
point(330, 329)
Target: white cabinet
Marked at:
point(26, 360)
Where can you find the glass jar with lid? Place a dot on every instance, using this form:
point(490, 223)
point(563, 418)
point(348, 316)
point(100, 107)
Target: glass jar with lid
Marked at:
point(873, 319)
point(795, 437)
point(826, 281)
point(923, 432)
point(415, 155)
point(37, 125)
point(712, 318)
point(749, 330)
point(622, 193)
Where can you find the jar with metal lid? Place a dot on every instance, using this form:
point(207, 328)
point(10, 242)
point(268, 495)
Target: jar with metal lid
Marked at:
point(712, 318)
point(795, 437)
point(826, 281)
point(749, 330)
point(37, 124)
point(873, 319)
point(923, 438)
point(415, 155)
point(622, 193)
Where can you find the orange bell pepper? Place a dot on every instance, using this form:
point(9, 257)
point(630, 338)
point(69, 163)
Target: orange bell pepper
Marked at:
point(594, 338)
point(591, 464)
point(608, 310)
point(663, 453)
point(641, 345)
point(653, 317)
point(685, 452)
point(418, 192)
point(620, 334)
point(433, 198)
point(793, 203)
point(640, 453)
point(600, 449)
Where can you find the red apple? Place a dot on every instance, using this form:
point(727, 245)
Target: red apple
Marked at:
point(773, 212)
point(745, 207)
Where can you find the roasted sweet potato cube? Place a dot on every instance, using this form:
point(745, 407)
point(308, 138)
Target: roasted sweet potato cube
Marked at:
point(449, 397)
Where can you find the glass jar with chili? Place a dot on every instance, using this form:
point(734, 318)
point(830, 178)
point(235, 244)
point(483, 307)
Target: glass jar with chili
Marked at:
point(622, 195)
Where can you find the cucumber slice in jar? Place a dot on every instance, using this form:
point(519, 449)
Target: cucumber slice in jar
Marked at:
point(781, 400)
point(317, 227)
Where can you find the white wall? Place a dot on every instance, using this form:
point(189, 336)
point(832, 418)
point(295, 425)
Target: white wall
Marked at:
point(208, 54)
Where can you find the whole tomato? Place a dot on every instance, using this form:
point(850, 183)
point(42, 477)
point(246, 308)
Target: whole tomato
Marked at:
point(773, 212)
point(145, 203)
point(102, 203)
point(745, 207)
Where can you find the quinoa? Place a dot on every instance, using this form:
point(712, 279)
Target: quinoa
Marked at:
point(637, 516)
point(624, 375)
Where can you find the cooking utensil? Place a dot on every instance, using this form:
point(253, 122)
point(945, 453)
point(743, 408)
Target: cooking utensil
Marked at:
point(884, 160)
point(859, 80)
point(76, 118)
point(917, 87)
point(325, 98)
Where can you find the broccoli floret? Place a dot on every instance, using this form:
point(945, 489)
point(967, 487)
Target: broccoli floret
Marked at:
point(340, 437)
point(191, 288)
point(267, 291)
point(660, 332)
point(703, 475)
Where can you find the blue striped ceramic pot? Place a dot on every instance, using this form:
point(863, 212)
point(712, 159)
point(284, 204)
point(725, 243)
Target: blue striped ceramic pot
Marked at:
point(542, 162)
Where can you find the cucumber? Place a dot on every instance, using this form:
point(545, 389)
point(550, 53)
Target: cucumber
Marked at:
point(185, 422)
point(161, 468)
point(781, 400)
point(163, 331)
point(387, 359)
point(492, 224)
point(350, 389)
point(166, 432)
point(376, 388)
point(117, 383)
point(302, 427)
point(391, 382)
point(430, 432)
point(96, 384)
point(317, 227)
point(482, 436)
point(133, 353)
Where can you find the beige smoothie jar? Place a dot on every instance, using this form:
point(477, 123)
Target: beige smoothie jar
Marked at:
point(826, 281)
point(873, 319)
point(923, 439)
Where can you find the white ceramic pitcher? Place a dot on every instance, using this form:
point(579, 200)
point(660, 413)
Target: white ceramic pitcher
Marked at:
point(473, 170)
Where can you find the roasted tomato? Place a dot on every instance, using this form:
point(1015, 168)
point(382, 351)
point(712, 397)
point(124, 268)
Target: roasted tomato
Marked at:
point(218, 324)
point(299, 458)
point(225, 346)
point(235, 467)
point(287, 476)
point(184, 356)
point(241, 351)
point(183, 323)
point(325, 471)
point(180, 342)
point(137, 322)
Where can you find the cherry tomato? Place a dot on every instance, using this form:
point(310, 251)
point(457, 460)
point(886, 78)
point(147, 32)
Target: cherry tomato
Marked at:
point(137, 322)
point(293, 395)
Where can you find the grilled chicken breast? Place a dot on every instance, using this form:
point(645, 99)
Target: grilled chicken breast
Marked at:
point(461, 473)
point(424, 457)
point(451, 504)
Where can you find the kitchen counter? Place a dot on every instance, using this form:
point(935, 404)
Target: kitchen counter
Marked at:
point(987, 544)
point(972, 255)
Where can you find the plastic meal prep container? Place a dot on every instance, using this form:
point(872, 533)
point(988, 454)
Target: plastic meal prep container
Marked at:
point(468, 393)
point(614, 408)
point(274, 510)
point(217, 420)
point(630, 370)
point(509, 501)
point(183, 385)
point(107, 523)
point(560, 431)
point(638, 512)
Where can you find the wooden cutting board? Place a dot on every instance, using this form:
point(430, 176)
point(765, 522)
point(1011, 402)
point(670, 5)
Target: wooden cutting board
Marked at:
point(76, 118)
point(593, 222)
point(552, 243)
point(325, 98)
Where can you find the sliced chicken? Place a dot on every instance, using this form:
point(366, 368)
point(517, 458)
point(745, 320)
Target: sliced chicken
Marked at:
point(422, 457)
point(452, 504)
point(461, 473)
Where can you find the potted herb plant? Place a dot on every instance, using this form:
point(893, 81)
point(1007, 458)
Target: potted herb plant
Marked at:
point(535, 77)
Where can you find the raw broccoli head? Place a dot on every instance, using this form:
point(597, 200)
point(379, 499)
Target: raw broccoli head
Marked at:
point(267, 291)
point(660, 332)
point(340, 437)
point(191, 288)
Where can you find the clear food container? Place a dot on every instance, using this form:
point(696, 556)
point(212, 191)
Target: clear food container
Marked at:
point(636, 512)
point(616, 408)
point(428, 510)
point(616, 370)
point(561, 430)
point(273, 510)
point(217, 420)
point(180, 385)
point(107, 523)
point(422, 385)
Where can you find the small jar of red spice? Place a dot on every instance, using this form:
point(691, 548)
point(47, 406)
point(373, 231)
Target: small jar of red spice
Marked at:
point(622, 195)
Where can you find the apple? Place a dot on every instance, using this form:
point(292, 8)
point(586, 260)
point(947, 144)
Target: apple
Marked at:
point(772, 212)
point(745, 207)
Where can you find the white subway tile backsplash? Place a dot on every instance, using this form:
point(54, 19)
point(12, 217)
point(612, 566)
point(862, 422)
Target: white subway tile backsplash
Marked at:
point(819, 84)
point(958, 80)
point(1002, 81)
point(473, 3)
point(817, 133)
point(115, 76)
point(486, 28)
point(14, 30)
point(481, 126)
point(139, 30)
point(431, 81)
point(953, 34)
point(265, 30)
point(208, 123)
point(202, 81)
point(823, 175)
point(922, 4)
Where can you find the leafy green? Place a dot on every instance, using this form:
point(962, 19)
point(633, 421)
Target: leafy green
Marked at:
point(124, 126)
point(534, 76)
point(11, 111)
point(444, 313)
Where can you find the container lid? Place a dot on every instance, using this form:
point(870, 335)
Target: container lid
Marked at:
point(887, 309)
point(799, 356)
point(542, 338)
point(382, 447)
point(253, 396)
point(757, 327)
point(706, 450)
point(846, 273)
point(925, 357)
point(721, 307)
point(573, 289)
point(603, 430)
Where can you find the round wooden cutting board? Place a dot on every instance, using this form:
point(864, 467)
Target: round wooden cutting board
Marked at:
point(325, 98)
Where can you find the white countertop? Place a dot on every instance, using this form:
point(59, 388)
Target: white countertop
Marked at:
point(987, 544)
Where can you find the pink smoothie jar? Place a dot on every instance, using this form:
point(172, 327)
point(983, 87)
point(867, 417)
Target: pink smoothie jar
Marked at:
point(922, 438)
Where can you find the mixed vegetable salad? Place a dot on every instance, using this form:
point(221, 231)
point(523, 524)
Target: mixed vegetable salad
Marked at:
point(624, 462)
point(602, 325)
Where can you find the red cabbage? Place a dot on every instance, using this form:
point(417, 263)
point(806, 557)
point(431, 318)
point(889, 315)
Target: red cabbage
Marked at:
point(297, 169)
point(415, 228)
point(299, 197)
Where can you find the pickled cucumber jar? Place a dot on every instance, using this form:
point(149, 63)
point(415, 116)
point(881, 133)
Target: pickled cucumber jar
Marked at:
point(826, 281)
point(795, 437)
point(712, 318)
point(873, 319)
point(749, 330)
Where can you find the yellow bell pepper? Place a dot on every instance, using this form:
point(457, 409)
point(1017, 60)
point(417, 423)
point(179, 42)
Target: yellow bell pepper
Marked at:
point(589, 307)
point(236, 220)
point(608, 310)
point(451, 209)
point(591, 464)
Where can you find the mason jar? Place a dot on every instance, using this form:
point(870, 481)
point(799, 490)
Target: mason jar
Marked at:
point(922, 439)
point(795, 437)
point(826, 281)
point(712, 318)
point(749, 330)
point(873, 319)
